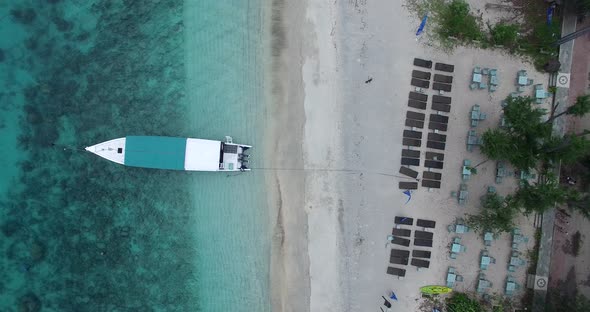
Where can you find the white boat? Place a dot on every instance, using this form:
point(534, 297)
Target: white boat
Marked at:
point(173, 153)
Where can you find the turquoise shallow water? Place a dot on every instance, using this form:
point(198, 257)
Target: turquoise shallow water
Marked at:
point(81, 234)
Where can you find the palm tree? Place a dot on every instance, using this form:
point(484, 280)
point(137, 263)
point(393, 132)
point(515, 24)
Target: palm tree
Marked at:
point(580, 108)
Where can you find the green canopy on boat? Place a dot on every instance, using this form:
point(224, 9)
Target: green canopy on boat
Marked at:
point(155, 152)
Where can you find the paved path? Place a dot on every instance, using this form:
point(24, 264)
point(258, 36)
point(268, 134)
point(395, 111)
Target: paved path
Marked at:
point(559, 126)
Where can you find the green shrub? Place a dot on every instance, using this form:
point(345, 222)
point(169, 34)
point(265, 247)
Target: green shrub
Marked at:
point(457, 21)
point(460, 302)
point(504, 34)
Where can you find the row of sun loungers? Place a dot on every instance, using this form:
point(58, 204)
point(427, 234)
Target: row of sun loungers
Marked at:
point(412, 137)
point(401, 237)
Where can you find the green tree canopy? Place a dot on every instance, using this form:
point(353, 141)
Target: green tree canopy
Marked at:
point(496, 215)
point(580, 108)
point(538, 197)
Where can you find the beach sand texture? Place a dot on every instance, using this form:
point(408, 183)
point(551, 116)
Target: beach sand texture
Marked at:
point(334, 216)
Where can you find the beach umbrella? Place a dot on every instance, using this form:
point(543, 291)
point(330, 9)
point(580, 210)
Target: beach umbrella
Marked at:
point(409, 194)
point(422, 24)
point(392, 296)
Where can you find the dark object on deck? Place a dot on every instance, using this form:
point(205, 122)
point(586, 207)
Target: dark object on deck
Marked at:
point(400, 241)
point(431, 184)
point(436, 145)
point(437, 126)
point(433, 164)
point(422, 63)
point(422, 242)
point(408, 185)
point(410, 161)
point(441, 99)
point(430, 175)
point(439, 118)
point(401, 232)
point(414, 123)
point(369, 80)
point(410, 153)
point(404, 220)
point(412, 134)
point(441, 107)
point(421, 254)
point(420, 74)
point(426, 223)
point(415, 115)
point(420, 263)
point(399, 260)
point(396, 271)
point(408, 172)
point(387, 304)
point(441, 86)
point(416, 104)
point(443, 78)
point(435, 156)
point(420, 83)
point(418, 96)
point(423, 235)
point(411, 142)
point(444, 67)
point(437, 137)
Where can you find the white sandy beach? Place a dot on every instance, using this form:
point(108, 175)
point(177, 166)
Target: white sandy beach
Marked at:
point(329, 252)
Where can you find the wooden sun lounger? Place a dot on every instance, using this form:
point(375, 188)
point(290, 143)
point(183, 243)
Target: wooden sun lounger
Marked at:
point(418, 96)
point(415, 115)
point(414, 123)
point(444, 67)
point(436, 145)
point(401, 253)
point(423, 235)
point(421, 75)
point(441, 99)
point(398, 260)
point(435, 156)
point(421, 254)
point(412, 134)
point(437, 137)
point(441, 107)
point(408, 185)
point(433, 164)
point(443, 78)
point(430, 183)
point(396, 271)
point(410, 153)
point(400, 241)
point(439, 118)
point(408, 172)
point(426, 223)
point(410, 161)
point(411, 142)
point(420, 263)
point(437, 126)
point(422, 63)
point(404, 220)
point(416, 104)
point(420, 83)
point(441, 86)
point(431, 175)
point(401, 232)
point(422, 242)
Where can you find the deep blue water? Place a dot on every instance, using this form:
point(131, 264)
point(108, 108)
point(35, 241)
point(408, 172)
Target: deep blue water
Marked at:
point(79, 233)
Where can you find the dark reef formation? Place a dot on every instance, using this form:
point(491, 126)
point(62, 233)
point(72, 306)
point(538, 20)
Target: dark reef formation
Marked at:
point(80, 218)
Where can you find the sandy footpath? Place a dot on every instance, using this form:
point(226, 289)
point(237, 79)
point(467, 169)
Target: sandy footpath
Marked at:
point(329, 249)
